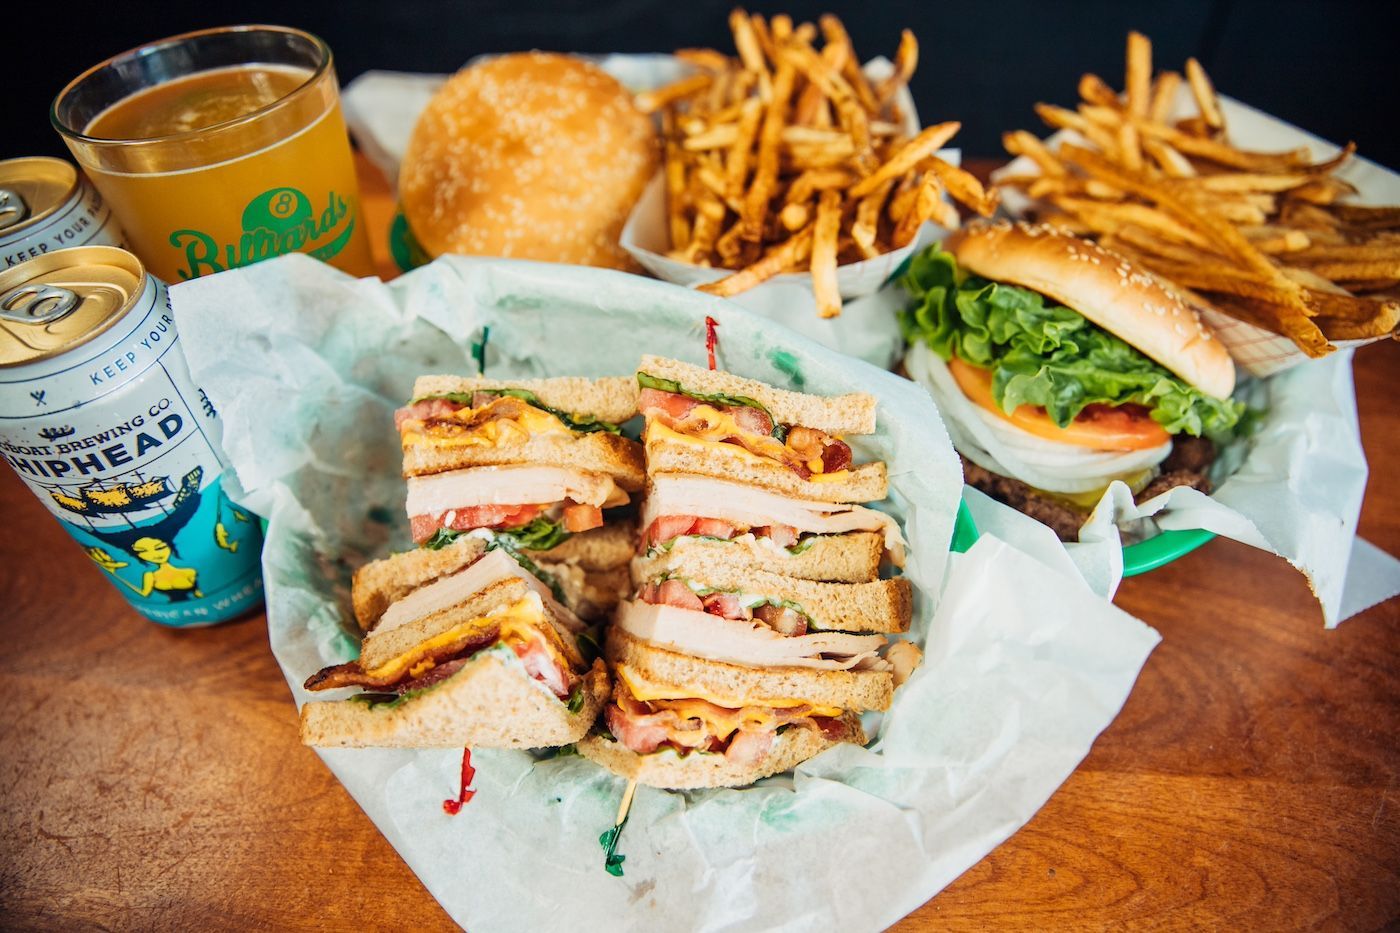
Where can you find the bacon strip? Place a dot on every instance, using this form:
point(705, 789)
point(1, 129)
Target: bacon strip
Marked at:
point(424, 410)
point(803, 444)
point(352, 675)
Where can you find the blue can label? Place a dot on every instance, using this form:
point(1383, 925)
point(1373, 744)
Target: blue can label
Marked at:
point(123, 449)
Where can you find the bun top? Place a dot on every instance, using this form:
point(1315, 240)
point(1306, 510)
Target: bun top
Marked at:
point(1120, 297)
point(531, 155)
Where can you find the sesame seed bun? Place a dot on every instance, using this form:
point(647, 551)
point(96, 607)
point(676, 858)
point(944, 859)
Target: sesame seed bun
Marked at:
point(531, 155)
point(1104, 287)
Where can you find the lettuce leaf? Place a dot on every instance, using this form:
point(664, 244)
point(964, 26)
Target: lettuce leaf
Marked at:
point(540, 535)
point(1045, 354)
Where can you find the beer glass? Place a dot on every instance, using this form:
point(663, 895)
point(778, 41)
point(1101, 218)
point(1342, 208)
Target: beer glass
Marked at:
point(219, 148)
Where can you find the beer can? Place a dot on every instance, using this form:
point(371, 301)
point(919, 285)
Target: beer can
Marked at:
point(100, 418)
point(46, 205)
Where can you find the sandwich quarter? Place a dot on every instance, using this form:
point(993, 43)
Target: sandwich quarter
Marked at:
point(46, 205)
point(100, 418)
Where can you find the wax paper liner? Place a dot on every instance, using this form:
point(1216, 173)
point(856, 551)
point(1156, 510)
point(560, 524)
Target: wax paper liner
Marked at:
point(382, 107)
point(1025, 666)
point(1259, 352)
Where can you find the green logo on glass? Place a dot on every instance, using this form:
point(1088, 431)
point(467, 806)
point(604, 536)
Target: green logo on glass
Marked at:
point(280, 220)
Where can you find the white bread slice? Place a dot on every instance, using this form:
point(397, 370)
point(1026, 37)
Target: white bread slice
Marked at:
point(868, 482)
point(850, 558)
point(667, 769)
point(756, 686)
point(612, 398)
point(599, 452)
point(883, 606)
point(487, 704)
point(837, 414)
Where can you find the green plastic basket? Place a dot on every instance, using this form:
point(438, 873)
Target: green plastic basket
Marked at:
point(1162, 549)
point(964, 530)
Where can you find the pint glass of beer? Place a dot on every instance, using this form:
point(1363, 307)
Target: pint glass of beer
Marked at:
point(219, 148)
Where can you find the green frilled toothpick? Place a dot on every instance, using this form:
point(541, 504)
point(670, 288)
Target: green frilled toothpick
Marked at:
point(479, 351)
point(612, 862)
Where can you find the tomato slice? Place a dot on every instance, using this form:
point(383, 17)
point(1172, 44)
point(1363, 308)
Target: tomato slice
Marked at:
point(1100, 427)
point(582, 517)
point(474, 516)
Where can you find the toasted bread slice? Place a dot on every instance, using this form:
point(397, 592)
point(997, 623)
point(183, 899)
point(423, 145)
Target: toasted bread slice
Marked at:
point(839, 414)
point(882, 606)
point(670, 770)
point(612, 398)
point(667, 453)
point(489, 703)
point(599, 452)
point(600, 592)
point(734, 685)
point(853, 557)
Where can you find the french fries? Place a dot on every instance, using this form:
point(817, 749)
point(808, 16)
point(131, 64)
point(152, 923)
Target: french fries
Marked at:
point(1262, 236)
point(786, 157)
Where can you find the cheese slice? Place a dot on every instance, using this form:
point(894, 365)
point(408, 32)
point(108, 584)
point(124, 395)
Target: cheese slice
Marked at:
point(752, 506)
point(498, 432)
point(647, 690)
point(752, 644)
point(714, 439)
point(510, 485)
point(722, 723)
point(524, 614)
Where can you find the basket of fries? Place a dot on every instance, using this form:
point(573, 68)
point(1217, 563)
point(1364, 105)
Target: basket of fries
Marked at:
point(794, 163)
point(1286, 252)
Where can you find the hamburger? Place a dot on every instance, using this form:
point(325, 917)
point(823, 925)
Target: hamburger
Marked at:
point(531, 155)
point(1060, 367)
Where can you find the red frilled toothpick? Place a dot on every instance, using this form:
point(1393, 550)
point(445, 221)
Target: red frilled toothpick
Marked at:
point(464, 796)
point(711, 339)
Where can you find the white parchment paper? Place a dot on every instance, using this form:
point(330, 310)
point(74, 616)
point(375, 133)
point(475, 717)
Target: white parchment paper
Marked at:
point(1024, 666)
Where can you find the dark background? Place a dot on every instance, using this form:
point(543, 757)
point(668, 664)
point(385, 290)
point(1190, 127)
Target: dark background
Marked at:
point(1329, 67)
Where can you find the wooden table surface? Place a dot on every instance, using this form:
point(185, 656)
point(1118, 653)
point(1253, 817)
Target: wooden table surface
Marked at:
point(153, 778)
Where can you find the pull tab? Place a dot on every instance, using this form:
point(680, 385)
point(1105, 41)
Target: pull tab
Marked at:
point(12, 208)
point(38, 304)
